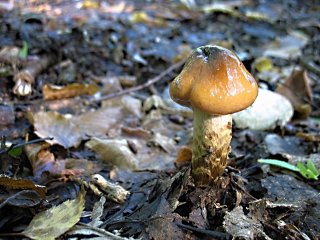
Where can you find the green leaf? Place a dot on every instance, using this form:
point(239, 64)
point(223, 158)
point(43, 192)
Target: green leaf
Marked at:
point(302, 168)
point(312, 168)
point(15, 151)
point(55, 221)
point(279, 163)
point(309, 172)
point(23, 53)
point(306, 172)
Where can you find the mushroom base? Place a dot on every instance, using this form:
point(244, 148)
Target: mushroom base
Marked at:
point(211, 146)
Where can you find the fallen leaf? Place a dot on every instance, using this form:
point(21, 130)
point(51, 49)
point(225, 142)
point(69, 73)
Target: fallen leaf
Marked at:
point(56, 126)
point(43, 161)
point(263, 64)
point(90, 4)
point(255, 15)
point(24, 199)
point(241, 226)
point(128, 104)
point(137, 132)
point(55, 221)
point(222, 7)
point(153, 102)
point(97, 212)
point(143, 17)
point(114, 151)
point(184, 157)
point(287, 47)
point(297, 89)
point(21, 184)
point(308, 136)
point(40, 158)
point(112, 83)
point(69, 131)
point(52, 92)
point(167, 144)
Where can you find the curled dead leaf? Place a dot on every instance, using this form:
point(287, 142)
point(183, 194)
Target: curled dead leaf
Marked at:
point(22, 184)
point(184, 157)
point(52, 92)
point(297, 89)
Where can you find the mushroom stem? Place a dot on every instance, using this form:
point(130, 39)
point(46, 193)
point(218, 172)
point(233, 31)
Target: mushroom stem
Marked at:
point(211, 146)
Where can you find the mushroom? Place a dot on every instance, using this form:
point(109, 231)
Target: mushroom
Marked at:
point(215, 84)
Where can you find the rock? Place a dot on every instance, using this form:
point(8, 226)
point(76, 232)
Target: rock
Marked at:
point(268, 111)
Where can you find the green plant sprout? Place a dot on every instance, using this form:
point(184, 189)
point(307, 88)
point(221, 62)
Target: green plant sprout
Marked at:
point(23, 53)
point(308, 171)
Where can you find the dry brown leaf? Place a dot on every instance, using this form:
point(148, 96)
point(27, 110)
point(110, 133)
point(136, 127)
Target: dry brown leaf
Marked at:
point(137, 132)
point(52, 92)
point(42, 160)
point(286, 47)
point(56, 126)
point(184, 157)
point(308, 136)
point(21, 184)
point(112, 83)
point(143, 17)
point(69, 131)
point(130, 105)
point(162, 141)
point(297, 89)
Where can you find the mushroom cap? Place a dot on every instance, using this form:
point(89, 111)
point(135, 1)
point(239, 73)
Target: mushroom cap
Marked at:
point(215, 81)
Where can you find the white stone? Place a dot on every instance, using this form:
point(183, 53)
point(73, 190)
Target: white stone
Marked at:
point(268, 111)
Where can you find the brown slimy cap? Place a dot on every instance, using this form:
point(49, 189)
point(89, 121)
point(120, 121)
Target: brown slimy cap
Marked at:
point(214, 80)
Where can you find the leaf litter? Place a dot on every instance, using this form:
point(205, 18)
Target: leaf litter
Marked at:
point(110, 125)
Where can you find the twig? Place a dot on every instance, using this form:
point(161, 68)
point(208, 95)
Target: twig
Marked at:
point(142, 86)
point(26, 77)
point(102, 232)
point(209, 233)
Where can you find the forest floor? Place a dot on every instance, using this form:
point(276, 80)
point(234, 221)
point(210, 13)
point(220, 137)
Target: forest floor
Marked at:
point(93, 147)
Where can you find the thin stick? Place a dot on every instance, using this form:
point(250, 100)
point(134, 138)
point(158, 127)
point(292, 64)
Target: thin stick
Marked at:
point(120, 93)
point(142, 86)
